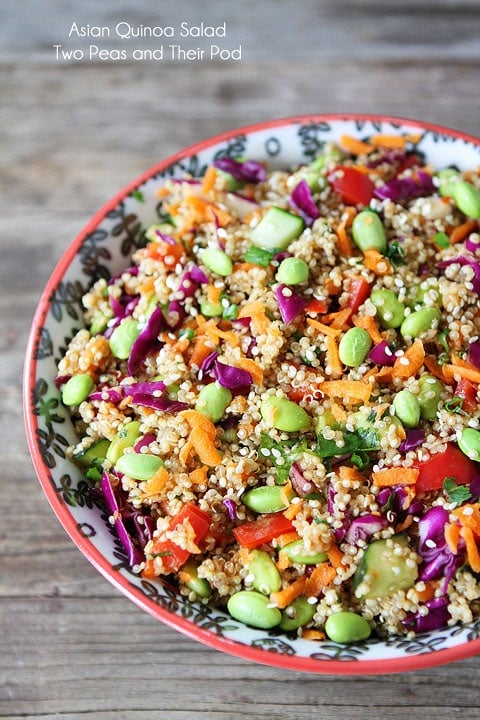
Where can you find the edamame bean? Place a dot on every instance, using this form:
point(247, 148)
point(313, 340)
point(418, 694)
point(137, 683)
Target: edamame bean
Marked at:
point(213, 399)
point(188, 575)
point(266, 578)
point(292, 271)
point(77, 389)
point(252, 608)
point(469, 443)
point(265, 499)
point(429, 396)
point(210, 309)
point(390, 311)
point(284, 414)
point(124, 438)
point(354, 347)
point(297, 553)
point(139, 466)
point(407, 408)
point(298, 614)
point(123, 337)
point(467, 198)
point(368, 232)
point(419, 322)
point(347, 627)
point(217, 261)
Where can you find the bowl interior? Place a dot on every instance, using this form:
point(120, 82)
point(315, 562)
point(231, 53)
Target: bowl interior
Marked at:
point(102, 250)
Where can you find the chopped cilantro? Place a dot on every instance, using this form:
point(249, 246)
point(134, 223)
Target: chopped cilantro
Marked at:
point(441, 240)
point(455, 405)
point(258, 256)
point(456, 493)
point(395, 253)
point(282, 454)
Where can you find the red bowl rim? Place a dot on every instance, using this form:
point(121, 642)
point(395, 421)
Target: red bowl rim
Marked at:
point(95, 557)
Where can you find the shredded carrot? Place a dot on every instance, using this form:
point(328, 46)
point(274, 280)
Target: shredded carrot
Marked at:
point(473, 555)
point(287, 538)
point(338, 412)
point(213, 294)
point(322, 576)
point(286, 494)
point(462, 231)
point(283, 598)
point(450, 372)
point(347, 389)
point(283, 562)
point(201, 350)
point(377, 263)
point(313, 634)
point(469, 516)
point(368, 323)
point(256, 311)
point(335, 556)
point(393, 141)
point(243, 267)
point(339, 319)
point(460, 362)
point(404, 525)
point(209, 180)
point(408, 364)
point(355, 146)
point(428, 593)
point(386, 477)
point(347, 472)
point(201, 439)
point(334, 357)
point(251, 367)
point(196, 419)
point(201, 210)
point(325, 329)
point(452, 536)
point(149, 570)
point(292, 510)
point(435, 369)
point(199, 475)
point(156, 483)
point(331, 288)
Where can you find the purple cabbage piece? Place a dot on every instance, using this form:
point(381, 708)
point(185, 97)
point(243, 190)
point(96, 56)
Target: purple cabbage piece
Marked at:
point(131, 271)
point(152, 395)
point(249, 171)
point(226, 375)
point(474, 488)
point(437, 558)
point(190, 281)
point(110, 394)
point(144, 441)
point(166, 238)
point(299, 483)
point(474, 353)
point(302, 199)
point(361, 528)
point(290, 304)
point(403, 188)
point(115, 501)
point(437, 617)
point(231, 508)
point(147, 340)
point(381, 354)
point(338, 532)
point(464, 260)
point(208, 364)
point(414, 439)
point(472, 246)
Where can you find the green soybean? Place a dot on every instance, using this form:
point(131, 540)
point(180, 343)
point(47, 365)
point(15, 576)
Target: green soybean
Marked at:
point(217, 261)
point(297, 614)
point(430, 391)
point(390, 311)
point(266, 578)
point(284, 414)
point(347, 627)
point(123, 337)
point(354, 346)
point(297, 553)
point(210, 309)
point(419, 322)
point(407, 408)
point(252, 608)
point(292, 271)
point(189, 576)
point(213, 399)
point(139, 466)
point(467, 198)
point(368, 232)
point(77, 389)
point(264, 499)
point(469, 443)
point(124, 438)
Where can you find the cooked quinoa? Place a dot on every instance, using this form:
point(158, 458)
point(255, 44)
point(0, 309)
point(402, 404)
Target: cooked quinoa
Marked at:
point(274, 395)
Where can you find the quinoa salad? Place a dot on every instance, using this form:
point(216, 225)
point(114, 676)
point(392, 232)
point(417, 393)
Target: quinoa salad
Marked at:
point(278, 401)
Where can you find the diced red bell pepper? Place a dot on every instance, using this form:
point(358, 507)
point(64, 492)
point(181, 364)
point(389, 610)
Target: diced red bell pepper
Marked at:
point(262, 530)
point(468, 392)
point(358, 292)
point(316, 307)
point(173, 556)
point(449, 463)
point(354, 186)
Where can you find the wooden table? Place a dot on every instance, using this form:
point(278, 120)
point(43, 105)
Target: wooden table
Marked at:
point(73, 132)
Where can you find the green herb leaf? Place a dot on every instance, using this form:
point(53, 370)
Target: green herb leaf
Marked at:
point(456, 493)
point(455, 405)
point(258, 256)
point(441, 240)
point(395, 253)
point(282, 454)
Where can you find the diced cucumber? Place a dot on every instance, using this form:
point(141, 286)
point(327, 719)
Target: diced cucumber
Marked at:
point(277, 229)
point(385, 568)
point(93, 454)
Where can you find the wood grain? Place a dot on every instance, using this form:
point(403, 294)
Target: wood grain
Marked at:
point(71, 136)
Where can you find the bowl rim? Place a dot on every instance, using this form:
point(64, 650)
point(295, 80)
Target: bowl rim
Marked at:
point(93, 555)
